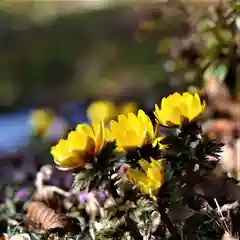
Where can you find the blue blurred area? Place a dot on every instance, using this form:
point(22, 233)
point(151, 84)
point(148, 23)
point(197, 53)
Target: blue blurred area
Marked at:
point(74, 113)
point(15, 128)
point(14, 131)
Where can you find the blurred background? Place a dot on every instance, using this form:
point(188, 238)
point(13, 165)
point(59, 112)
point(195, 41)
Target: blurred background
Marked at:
point(58, 57)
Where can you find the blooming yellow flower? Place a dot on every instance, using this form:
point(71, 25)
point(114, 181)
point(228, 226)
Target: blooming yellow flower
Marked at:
point(131, 131)
point(150, 179)
point(101, 111)
point(129, 107)
point(79, 146)
point(176, 109)
point(41, 120)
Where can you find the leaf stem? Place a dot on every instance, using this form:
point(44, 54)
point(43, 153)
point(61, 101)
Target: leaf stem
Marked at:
point(156, 130)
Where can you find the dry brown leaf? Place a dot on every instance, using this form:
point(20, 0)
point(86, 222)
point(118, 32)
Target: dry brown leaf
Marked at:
point(225, 190)
point(43, 217)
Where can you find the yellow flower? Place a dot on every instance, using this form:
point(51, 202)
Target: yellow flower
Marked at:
point(150, 179)
point(79, 146)
point(41, 120)
point(129, 107)
point(176, 109)
point(131, 131)
point(101, 111)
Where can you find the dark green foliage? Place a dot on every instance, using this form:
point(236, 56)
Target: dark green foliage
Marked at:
point(100, 168)
point(187, 147)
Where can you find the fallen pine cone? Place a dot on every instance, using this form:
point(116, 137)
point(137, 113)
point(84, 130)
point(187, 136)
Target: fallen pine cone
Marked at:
point(40, 216)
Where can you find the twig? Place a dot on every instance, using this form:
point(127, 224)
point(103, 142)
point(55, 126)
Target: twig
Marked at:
point(59, 191)
point(218, 212)
point(44, 174)
point(224, 208)
point(209, 211)
point(222, 217)
point(231, 206)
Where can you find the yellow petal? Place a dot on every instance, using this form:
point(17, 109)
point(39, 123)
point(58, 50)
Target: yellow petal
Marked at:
point(160, 116)
point(134, 124)
point(77, 141)
point(99, 134)
point(196, 106)
point(146, 123)
point(72, 162)
point(173, 115)
point(144, 164)
point(131, 139)
point(108, 135)
point(164, 103)
point(60, 149)
point(87, 130)
point(115, 129)
point(123, 120)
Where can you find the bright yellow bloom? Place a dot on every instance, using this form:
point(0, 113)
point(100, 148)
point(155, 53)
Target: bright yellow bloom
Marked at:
point(101, 111)
point(41, 120)
point(150, 178)
point(129, 107)
point(176, 109)
point(131, 131)
point(79, 146)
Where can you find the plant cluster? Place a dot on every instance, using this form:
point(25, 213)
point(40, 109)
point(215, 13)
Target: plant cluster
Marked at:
point(134, 178)
point(137, 177)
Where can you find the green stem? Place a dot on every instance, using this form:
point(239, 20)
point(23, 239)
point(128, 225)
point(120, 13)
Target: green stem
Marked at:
point(156, 129)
